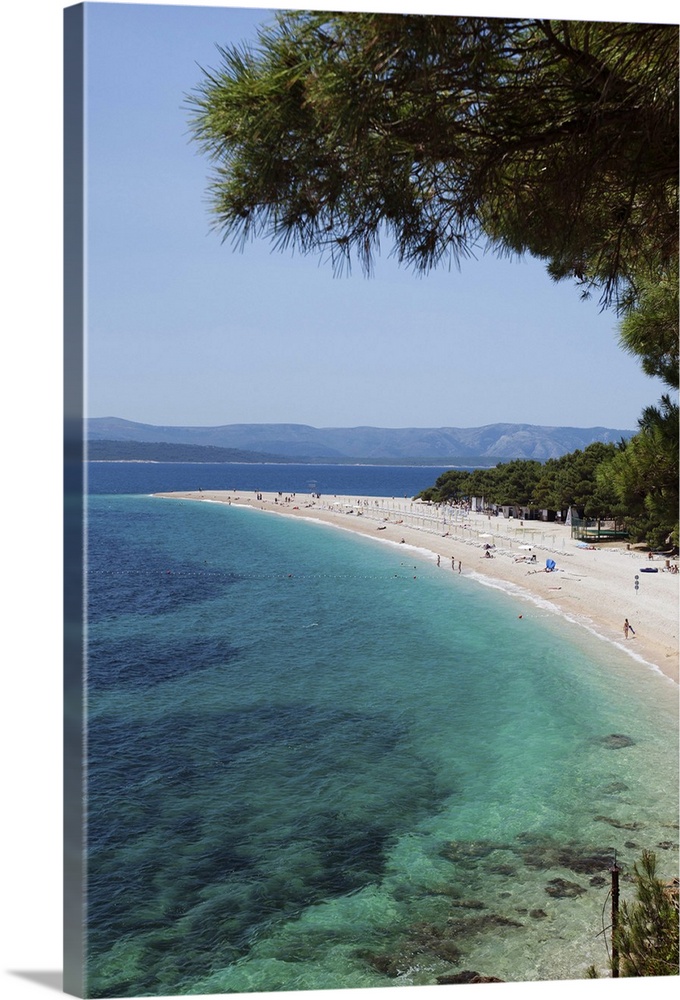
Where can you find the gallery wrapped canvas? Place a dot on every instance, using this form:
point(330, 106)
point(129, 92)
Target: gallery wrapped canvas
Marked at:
point(370, 429)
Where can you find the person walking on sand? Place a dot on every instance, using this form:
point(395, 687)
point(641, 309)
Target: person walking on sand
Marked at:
point(459, 567)
point(627, 627)
point(439, 559)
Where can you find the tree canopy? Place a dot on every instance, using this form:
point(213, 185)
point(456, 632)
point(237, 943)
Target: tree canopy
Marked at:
point(557, 484)
point(649, 328)
point(644, 475)
point(635, 481)
point(647, 932)
point(444, 134)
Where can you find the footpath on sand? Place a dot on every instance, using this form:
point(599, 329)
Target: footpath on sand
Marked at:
point(594, 585)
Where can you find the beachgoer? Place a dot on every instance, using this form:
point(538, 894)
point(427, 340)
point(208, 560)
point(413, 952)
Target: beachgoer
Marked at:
point(453, 563)
point(439, 559)
point(459, 567)
point(627, 627)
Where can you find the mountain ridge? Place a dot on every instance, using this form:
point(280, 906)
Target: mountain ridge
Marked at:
point(500, 441)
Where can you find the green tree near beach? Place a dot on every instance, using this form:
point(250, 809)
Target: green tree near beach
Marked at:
point(634, 481)
point(646, 935)
point(570, 481)
point(644, 476)
point(508, 483)
point(649, 329)
point(557, 484)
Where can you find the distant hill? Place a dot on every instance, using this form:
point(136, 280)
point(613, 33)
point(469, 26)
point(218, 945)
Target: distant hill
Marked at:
point(165, 451)
point(300, 442)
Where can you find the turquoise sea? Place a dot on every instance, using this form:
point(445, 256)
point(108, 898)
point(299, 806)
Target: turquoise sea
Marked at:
point(317, 760)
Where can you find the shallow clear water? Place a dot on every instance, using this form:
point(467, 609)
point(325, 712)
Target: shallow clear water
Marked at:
point(320, 761)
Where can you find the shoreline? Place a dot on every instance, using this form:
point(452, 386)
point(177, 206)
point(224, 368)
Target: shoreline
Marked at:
point(591, 587)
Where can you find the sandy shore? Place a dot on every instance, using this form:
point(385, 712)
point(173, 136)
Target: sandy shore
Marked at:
point(594, 587)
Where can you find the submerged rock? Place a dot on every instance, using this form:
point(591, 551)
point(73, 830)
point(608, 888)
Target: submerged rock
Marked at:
point(560, 888)
point(617, 823)
point(615, 788)
point(448, 891)
point(470, 851)
point(483, 923)
point(426, 942)
point(386, 965)
point(614, 741)
point(542, 853)
point(411, 954)
point(466, 977)
point(587, 863)
point(447, 950)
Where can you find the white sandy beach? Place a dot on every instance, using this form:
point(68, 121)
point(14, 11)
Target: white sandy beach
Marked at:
point(594, 587)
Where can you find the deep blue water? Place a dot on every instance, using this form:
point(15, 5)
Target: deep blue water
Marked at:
point(162, 477)
point(318, 761)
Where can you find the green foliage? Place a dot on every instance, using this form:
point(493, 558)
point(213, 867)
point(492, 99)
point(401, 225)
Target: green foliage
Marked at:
point(570, 481)
point(647, 932)
point(555, 485)
point(644, 476)
point(649, 329)
point(556, 138)
point(508, 483)
point(636, 481)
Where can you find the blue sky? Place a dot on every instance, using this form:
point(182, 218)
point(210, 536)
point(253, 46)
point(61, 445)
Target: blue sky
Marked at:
point(182, 329)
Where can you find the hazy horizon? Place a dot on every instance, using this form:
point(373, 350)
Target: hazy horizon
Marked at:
point(296, 423)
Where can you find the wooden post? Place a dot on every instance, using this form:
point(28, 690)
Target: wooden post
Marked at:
point(615, 871)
